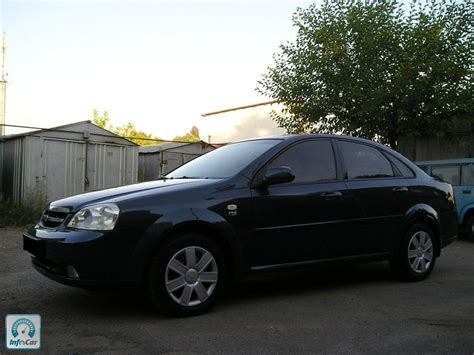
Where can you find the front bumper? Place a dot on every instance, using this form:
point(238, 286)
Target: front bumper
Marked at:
point(81, 258)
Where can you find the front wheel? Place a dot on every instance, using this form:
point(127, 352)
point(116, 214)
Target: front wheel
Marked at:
point(417, 257)
point(186, 276)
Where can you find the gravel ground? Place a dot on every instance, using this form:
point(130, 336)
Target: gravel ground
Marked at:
point(336, 309)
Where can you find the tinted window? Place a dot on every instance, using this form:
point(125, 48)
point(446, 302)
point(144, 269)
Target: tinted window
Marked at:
point(448, 173)
point(311, 161)
point(402, 168)
point(224, 162)
point(362, 161)
point(467, 175)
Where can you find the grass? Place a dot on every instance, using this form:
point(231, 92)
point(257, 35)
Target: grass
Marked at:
point(16, 215)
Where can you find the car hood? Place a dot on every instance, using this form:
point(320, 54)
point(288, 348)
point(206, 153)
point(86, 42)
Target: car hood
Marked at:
point(75, 202)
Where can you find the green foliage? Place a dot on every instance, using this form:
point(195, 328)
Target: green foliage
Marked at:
point(191, 136)
point(127, 130)
point(29, 212)
point(380, 70)
point(100, 120)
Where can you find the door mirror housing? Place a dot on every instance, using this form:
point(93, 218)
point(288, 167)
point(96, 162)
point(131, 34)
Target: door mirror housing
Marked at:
point(277, 175)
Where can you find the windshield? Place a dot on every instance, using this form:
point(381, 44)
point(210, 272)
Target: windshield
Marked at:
point(224, 162)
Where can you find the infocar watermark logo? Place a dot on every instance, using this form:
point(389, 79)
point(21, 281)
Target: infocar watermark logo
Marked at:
point(23, 331)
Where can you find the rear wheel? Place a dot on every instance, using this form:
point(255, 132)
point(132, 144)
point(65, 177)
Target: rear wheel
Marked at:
point(417, 255)
point(186, 276)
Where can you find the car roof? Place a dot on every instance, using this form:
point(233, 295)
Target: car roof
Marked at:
point(296, 137)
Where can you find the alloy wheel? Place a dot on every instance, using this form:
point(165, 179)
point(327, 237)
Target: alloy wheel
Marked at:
point(191, 276)
point(420, 252)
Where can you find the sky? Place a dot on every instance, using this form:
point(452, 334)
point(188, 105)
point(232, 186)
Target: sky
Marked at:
point(158, 64)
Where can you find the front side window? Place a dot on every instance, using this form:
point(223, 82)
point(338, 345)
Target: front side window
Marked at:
point(224, 162)
point(448, 173)
point(362, 161)
point(311, 161)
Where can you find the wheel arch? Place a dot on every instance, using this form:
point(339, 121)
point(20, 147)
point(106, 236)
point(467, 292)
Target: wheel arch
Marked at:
point(424, 214)
point(205, 223)
point(207, 230)
point(466, 212)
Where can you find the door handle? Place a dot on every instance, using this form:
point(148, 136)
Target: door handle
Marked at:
point(466, 192)
point(400, 189)
point(331, 194)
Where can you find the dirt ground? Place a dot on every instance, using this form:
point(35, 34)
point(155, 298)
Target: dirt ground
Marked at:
point(336, 309)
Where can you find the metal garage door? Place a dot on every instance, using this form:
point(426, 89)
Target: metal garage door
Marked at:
point(105, 166)
point(64, 168)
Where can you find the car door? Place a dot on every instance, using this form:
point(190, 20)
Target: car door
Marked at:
point(466, 199)
point(300, 220)
point(381, 193)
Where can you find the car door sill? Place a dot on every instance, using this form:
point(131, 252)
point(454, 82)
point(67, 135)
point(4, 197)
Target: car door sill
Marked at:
point(364, 257)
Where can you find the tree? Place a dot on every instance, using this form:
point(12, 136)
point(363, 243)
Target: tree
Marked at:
point(380, 70)
point(127, 130)
point(191, 136)
point(100, 120)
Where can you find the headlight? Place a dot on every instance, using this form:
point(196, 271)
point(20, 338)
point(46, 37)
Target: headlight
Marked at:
point(97, 217)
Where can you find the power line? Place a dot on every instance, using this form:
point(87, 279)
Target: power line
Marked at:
point(97, 134)
point(240, 108)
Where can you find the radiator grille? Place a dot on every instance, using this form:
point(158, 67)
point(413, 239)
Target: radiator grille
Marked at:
point(53, 217)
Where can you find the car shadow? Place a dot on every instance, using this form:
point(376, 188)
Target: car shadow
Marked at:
point(123, 303)
point(277, 283)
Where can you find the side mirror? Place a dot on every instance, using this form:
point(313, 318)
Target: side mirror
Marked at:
point(277, 175)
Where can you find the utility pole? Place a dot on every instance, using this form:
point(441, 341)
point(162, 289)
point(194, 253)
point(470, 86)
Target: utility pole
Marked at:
point(3, 86)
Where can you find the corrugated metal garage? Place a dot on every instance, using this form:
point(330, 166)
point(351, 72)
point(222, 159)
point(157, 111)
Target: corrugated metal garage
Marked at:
point(158, 160)
point(65, 161)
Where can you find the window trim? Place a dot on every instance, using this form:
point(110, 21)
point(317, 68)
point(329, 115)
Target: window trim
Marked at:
point(344, 169)
point(395, 167)
point(339, 177)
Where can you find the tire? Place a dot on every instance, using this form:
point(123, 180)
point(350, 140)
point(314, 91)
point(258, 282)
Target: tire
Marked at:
point(412, 262)
point(175, 281)
point(467, 229)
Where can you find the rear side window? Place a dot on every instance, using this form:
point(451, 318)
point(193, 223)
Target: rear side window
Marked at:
point(311, 161)
point(467, 175)
point(402, 168)
point(362, 161)
point(448, 173)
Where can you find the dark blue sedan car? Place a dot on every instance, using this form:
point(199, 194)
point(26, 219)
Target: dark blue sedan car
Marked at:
point(259, 204)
